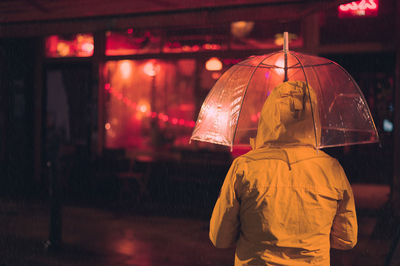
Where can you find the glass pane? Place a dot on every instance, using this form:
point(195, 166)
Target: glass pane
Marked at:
point(149, 103)
point(76, 45)
point(132, 41)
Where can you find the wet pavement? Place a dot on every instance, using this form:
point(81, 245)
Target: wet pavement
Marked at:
point(131, 236)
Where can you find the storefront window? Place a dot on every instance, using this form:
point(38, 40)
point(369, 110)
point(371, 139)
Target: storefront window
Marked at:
point(149, 103)
point(76, 45)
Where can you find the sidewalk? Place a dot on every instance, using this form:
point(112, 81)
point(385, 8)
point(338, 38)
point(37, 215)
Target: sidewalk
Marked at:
point(99, 237)
point(94, 236)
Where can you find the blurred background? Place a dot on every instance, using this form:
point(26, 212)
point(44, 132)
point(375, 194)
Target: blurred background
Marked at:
point(98, 100)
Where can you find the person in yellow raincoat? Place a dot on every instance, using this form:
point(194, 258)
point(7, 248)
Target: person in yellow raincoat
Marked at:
point(285, 202)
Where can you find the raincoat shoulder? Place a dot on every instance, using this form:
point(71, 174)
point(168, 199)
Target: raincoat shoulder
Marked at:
point(225, 221)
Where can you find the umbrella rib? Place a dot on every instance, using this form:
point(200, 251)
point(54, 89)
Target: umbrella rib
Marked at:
point(309, 96)
point(245, 92)
point(231, 74)
point(201, 110)
point(320, 87)
point(343, 129)
point(293, 66)
point(247, 128)
point(347, 144)
point(359, 91)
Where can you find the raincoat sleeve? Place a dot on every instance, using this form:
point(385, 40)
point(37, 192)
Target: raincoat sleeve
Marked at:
point(224, 223)
point(345, 228)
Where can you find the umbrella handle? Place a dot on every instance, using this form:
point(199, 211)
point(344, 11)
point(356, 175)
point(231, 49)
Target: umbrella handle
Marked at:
point(285, 42)
point(285, 51)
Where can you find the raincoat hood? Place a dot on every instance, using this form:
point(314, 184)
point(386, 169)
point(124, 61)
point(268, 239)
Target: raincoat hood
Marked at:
point(289, 117)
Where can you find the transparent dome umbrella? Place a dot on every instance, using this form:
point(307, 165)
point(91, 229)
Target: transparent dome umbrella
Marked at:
point(229, 115)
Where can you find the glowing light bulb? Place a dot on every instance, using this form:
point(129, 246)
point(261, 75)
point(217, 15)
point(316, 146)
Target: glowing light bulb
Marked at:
point(151, 68)
point(125, 67)
point(63, 49)
point(88, 48)
point(241, 29)
point(143, 106)
point(215, 75)
point(213, 64)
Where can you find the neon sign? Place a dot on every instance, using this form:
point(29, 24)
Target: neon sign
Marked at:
point(359, 8)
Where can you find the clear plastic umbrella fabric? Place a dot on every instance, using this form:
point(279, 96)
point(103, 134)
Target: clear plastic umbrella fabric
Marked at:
point(230, 113)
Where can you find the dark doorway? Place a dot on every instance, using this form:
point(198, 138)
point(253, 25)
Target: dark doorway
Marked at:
point(16, 117)
point(69, 122)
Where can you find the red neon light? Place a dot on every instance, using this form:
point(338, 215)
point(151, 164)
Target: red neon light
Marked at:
point(362, 5)
point(359, 8)
point(143, 109)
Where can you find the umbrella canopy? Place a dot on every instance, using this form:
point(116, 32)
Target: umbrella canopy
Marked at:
point(230, 113)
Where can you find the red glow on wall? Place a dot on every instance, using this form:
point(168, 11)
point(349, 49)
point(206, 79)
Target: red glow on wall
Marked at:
point(365, 8)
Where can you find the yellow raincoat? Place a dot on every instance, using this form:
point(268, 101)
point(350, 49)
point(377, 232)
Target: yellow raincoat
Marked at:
point(284, 202)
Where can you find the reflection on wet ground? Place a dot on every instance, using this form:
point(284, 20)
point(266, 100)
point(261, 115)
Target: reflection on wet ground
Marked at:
point(98, 236)
point(102, 237)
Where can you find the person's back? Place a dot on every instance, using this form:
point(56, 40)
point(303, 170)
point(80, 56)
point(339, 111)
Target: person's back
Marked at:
point(284, 204)
point(288, 206)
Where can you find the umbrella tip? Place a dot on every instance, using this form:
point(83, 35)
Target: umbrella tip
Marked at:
point(285, 41)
